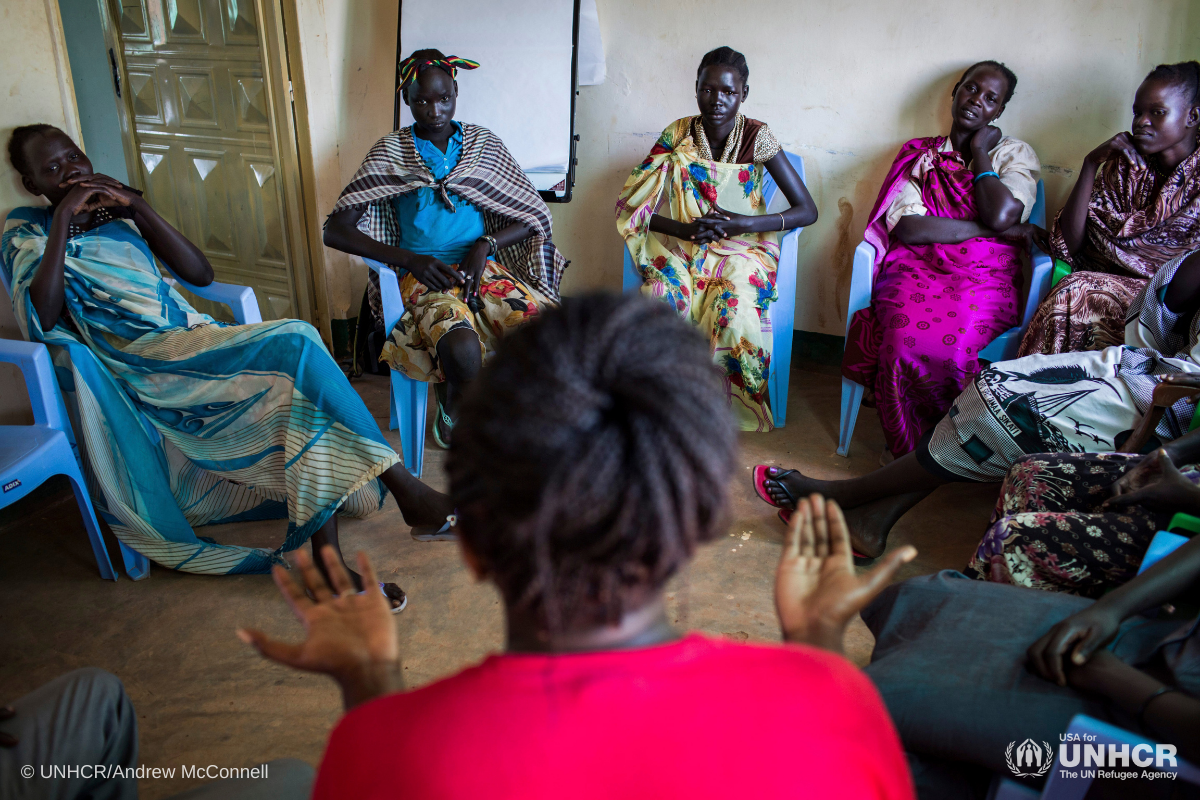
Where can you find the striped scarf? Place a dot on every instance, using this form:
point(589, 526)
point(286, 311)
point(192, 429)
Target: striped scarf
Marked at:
point(487, 176)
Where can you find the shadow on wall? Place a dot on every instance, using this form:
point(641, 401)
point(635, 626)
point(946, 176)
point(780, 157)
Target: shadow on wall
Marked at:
point(856, 179)
point(829, 259)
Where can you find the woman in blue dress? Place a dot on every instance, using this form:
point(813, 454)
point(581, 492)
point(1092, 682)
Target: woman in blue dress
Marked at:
point(185, 420)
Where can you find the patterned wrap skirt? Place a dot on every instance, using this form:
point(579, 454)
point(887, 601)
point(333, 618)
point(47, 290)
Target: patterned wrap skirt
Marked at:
point(506, 303)
point(1050, 529)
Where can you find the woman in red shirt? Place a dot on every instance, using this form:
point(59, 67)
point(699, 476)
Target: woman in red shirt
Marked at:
point(582, 487)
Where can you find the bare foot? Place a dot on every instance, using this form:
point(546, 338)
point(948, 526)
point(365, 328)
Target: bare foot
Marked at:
point(795, 485)
point(870, 523)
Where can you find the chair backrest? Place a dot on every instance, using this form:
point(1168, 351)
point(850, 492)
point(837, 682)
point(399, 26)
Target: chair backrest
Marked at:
point(771, 193)
point(1162, 545)
point(1038, 215)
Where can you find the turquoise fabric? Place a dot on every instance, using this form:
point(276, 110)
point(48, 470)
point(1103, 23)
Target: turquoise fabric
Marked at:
point(429, 228)
point(187, 421)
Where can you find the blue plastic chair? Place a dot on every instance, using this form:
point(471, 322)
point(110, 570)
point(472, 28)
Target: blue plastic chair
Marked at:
point(29, 454)
point(1002, 348)
point(1162, 545)
point(781, 314)
point(240, 299)
point(410, 399)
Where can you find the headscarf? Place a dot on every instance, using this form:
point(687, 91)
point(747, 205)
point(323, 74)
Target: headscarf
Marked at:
point(413, 66)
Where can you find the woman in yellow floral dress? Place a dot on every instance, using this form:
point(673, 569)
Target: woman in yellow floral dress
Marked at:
point(696, 227)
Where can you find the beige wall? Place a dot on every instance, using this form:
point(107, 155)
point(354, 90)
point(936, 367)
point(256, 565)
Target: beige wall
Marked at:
point(851, 83)
point(33, 88)
point(842, 84)
point(347, 47)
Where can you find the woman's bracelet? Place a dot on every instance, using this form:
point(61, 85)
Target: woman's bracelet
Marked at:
point(492, 247)
point(1141, 714)
point(782, 223)
point(983, 175)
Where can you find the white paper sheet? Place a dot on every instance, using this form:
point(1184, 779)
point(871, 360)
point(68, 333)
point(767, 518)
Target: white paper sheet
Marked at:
point(592, 68)
point(522, 89)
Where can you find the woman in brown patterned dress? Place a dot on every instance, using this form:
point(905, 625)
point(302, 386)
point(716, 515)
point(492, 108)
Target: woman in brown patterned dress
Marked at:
point(1135, 206)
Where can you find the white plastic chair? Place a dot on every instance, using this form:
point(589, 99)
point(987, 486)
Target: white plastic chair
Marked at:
point(1002, 348)
point(781, 314)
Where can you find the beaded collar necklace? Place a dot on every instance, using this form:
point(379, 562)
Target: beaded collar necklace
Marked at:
point(733, 144)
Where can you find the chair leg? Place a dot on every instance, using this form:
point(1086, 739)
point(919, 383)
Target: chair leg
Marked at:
point(137, 566)
point(93, 528)
point(852, 394)
point(410, 401)
point(780, 376)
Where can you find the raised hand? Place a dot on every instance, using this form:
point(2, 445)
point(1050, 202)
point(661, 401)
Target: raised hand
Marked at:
point(351, 635)
point(1080, 635)
point(81, 199)
point(817, 591)
point(1156, 484)
point(111, 190)
point(986, 138)
point(1119, 146)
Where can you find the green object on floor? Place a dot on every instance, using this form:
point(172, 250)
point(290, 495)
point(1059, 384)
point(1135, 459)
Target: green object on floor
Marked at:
point(1061, 270)
point(1185, 524)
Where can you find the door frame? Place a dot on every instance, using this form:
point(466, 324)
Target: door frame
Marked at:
point(312, 297)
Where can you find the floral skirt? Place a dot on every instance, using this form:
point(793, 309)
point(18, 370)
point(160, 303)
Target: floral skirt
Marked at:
point(725, 301)
point(507, 303)
point(1049, 530)
point(1086, 311)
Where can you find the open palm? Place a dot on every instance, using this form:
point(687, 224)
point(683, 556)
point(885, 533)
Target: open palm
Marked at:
point(349, 634)
point(817, 591)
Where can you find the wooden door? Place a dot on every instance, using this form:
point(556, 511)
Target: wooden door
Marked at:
point(203, 135)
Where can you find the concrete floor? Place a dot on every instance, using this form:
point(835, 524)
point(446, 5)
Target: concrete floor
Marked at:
point(202, 697)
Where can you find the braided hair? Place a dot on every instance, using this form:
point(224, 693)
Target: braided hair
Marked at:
point(20, 137)
point(591, 457)
point(725, 57)
point(1185, 75)
point(1010, 77)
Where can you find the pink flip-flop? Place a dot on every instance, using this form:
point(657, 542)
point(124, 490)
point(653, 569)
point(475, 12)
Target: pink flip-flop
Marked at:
point(760, 478)
point(785, 515)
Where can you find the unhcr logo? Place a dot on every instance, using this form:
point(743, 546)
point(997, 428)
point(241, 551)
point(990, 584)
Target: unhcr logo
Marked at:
point(1029, 759)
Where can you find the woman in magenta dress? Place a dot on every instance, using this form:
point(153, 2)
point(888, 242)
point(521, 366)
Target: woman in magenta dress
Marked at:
point(946, 277)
